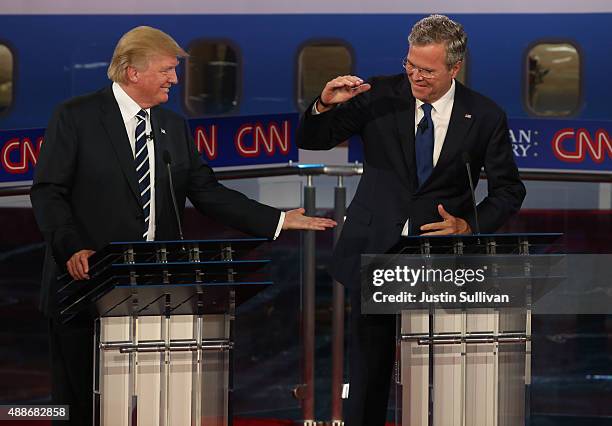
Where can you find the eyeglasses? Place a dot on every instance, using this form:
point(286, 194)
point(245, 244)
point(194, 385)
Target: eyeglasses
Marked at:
point(410, 69)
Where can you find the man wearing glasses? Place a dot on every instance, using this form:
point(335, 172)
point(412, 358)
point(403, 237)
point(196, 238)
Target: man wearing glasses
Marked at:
point(419, 128)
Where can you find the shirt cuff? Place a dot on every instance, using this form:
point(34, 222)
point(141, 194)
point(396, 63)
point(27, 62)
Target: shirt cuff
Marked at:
point(279, 227)
point(314, 110)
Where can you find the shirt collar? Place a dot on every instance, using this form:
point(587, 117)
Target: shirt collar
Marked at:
point(441, 104)
point(128, 106)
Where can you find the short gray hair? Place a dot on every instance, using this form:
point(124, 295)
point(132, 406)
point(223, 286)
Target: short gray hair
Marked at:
point(441, 29)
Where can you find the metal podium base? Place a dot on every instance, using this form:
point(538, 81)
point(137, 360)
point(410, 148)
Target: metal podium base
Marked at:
point(467, 368)
point(162, 371)
point(164, 334)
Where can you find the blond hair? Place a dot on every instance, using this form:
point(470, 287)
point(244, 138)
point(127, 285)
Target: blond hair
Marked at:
point(136, 47)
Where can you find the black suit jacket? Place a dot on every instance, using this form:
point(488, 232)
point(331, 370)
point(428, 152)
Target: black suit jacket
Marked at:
point(85, 192)
point(388, 192)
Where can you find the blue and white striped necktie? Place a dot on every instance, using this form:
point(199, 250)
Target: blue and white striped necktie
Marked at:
point(142, 168)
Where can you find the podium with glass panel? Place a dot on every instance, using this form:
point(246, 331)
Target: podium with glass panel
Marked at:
point(467, 365)
point(164, 314)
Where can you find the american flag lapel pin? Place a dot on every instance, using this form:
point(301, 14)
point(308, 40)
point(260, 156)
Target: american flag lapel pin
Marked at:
point(163, 131)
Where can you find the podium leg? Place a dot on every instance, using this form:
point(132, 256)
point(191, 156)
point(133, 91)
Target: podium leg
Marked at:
point(196, 388)
point(164, 374)
point(97, 353)
point(133, 374)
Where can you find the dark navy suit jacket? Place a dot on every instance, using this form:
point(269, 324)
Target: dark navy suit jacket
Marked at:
point(85, 192)
point(388, 192)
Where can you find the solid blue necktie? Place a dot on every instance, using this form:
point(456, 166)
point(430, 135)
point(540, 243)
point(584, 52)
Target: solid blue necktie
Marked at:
point(142, 168)
point(424, 142)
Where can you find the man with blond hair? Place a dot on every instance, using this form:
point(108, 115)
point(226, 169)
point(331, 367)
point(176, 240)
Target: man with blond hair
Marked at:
point(101, 177)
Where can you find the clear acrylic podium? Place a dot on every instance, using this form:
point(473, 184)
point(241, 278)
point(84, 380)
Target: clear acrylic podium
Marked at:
point(466, 367)
point(164, 330)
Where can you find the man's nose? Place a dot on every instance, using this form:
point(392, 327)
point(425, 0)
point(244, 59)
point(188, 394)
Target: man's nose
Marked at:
point(172, 78)
point(417, 76)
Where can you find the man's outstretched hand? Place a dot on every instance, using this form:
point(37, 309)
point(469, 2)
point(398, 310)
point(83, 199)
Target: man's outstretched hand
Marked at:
point(78, 264)
point(450, 225)
point(295, 219)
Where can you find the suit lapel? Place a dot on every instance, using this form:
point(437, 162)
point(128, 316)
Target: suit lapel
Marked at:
point(404, 119)
point(113, 124)
point(460, 123)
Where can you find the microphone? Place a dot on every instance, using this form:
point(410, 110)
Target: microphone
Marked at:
point(168, 161)
point(150, 137)
point(466, 161)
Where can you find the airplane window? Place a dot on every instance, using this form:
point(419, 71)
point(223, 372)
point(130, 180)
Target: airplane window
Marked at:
point(211, 78)
point(6, 77)
point(318, 63)
point(553, 79)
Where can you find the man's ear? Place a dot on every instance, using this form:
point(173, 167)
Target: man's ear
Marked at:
point(456, 68)
point(132, 74)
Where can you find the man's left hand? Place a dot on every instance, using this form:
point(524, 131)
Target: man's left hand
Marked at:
point(451, 225)
point(295, 219)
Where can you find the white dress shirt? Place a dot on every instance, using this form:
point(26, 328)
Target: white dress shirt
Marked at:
point(129, 108)
point(440, 115)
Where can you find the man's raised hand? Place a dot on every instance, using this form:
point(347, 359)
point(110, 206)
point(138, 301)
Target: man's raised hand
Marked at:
point(340, 90)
